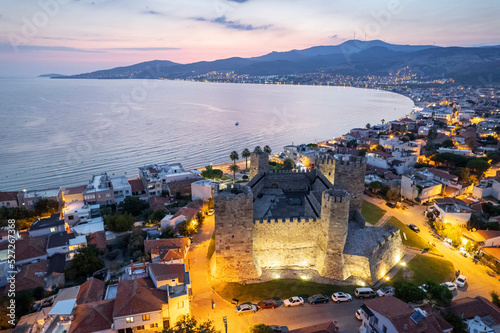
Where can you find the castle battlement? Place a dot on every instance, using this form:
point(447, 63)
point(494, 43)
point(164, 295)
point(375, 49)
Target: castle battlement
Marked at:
point(291, 171)
point(286, 220)
point(234, 192)
point(325, 160)
point(386, 239)
point(336, 196)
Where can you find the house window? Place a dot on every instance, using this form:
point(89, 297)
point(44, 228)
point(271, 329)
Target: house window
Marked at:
point(52, 229)
point(129, 319)
point(71, 217)
point(180, 305)
point(153, 325)
point(145, 317)
point(140, 328)
point(375, 320)
point(384, 329)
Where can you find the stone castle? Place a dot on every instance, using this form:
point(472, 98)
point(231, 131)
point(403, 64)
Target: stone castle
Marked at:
point(300, 225)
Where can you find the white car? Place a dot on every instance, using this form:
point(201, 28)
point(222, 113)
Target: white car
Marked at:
point(293, 301)
point(386, 291)
point(461, 281)
point(341, 297)
point(245, 308)
point(358, 314)
point(211, 212)
point(450, 285)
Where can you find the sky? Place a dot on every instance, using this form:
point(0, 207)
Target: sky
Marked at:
point(77, 36)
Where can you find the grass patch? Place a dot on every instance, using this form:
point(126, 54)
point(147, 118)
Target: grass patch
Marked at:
point(372, 213)
point(211, 247)
point(427, 268)
point(412, 238)
point(281, 289)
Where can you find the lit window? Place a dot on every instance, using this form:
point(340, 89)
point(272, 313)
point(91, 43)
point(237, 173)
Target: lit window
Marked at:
point(145, 317)
point(129, 319)
point(180, 305)
point(52, 229)
point(139, 328)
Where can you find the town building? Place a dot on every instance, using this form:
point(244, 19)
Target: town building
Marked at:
point(452, 210)
point(121, 188)
point(169, 250)
point(9, 199)
point(30, 198)
point(155, 177)
point(99, 190)
point(47, 226)
point(202, 190)
point(301, 154)
point(75, 193)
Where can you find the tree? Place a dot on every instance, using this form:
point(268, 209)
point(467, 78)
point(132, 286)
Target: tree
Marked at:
point(448, 144)
point(375, 186)
point(463, 174)
point(44, 206)
point(156, 217)
point(288, 164)
point(459, 326)
point(245, 154)
point(408, 292)
point(211, 173)
point(478, 165)
point(257, 149)
point(234, 156)
point(368, 126)
point(378, 148)
point(495, 299)
point(260, 328)
point(135, 244)
point(84, 263)
point(267, 149)
point(200, 218)
point(392, 195)
point(133, 205)
point(168, 232)
point(382, 121)
point(233, 169)
point(187, 324)
point(187, 229)
point(119, 222)
point(440, 294)
point(362, 152)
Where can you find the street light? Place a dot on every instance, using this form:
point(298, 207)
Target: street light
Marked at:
point(224, 319)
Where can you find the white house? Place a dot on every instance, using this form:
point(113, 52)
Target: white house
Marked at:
point(452, 210)
point(121, 188)
point(203, 190)
point(420, 185)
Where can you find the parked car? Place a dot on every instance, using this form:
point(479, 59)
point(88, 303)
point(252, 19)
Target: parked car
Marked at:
point(450, 285)
point(391, 204)
point(414, 228)
point(364, 293)
point(245, 308)
point(358, 314)
point(386, 291)
point(293, 301)
point(319, 298)
point(211, 212)
point(461, 281)
point(267, 304)
point(341, 297)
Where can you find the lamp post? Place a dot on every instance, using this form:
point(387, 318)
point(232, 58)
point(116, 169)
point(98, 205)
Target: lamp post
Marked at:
point(224, 319)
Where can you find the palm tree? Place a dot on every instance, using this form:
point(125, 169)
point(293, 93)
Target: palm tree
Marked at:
point(234, 168)
point(234, 156)
point(382, 121)
point(245, 154)
point(257, 149)
point(267, 149)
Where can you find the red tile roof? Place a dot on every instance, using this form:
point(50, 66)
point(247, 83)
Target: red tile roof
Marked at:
point(31, 276)
point(488, 234)
point(326, 327)
point(168, 271)
point(98, 239)
point(138, 296)
point(158, 203)
point(93, 317)
point(34, 247)
point(75, 190)
point(468, 307)
point(91, 291)
point(492, 251)
point(182, 244)
point(136, 185)
point(8, 196)
point(399, 313)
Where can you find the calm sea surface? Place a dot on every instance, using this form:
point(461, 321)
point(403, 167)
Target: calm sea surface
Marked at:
point(60, 132)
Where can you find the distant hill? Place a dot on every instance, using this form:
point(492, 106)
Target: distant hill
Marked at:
point(51, 75)
point(466, 65)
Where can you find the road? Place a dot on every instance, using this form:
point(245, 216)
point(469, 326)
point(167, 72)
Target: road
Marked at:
point(479, 282)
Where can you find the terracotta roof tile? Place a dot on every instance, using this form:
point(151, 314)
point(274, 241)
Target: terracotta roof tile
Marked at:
point(168, 271)
point(470, 307)
point(138, 296)
point(93, 317)
point(31, 276)
point(136, 185)
point(8, 196)
point(34, 247)
point(75, 190)
point(91, 291)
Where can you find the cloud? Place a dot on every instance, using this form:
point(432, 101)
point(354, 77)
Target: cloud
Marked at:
point(153, 12)
point(5, 47)
point(238, 1)
point(231, 24)
point(146, 48)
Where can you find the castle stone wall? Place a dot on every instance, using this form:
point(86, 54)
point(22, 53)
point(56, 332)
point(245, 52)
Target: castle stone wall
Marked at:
point(259, 163)
point(234, 260)
point(358, 266)
point(387, 254)
point(288, 180)
point(283, 243)
point(350, 176)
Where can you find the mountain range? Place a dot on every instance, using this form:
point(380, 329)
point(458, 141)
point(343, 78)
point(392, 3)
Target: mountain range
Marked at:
point(465, 65)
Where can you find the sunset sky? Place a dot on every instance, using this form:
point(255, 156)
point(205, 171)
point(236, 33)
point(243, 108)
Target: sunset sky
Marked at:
point(74, 36)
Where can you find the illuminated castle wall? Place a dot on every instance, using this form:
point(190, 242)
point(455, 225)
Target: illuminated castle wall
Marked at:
point(328, 241)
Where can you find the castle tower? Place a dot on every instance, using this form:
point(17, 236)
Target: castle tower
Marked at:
point(234, 260)
point(326, 165)
point(259, 162)
point(350, 175)
point(333, 233)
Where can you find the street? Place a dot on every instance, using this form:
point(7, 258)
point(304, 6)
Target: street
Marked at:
point(479, 283)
